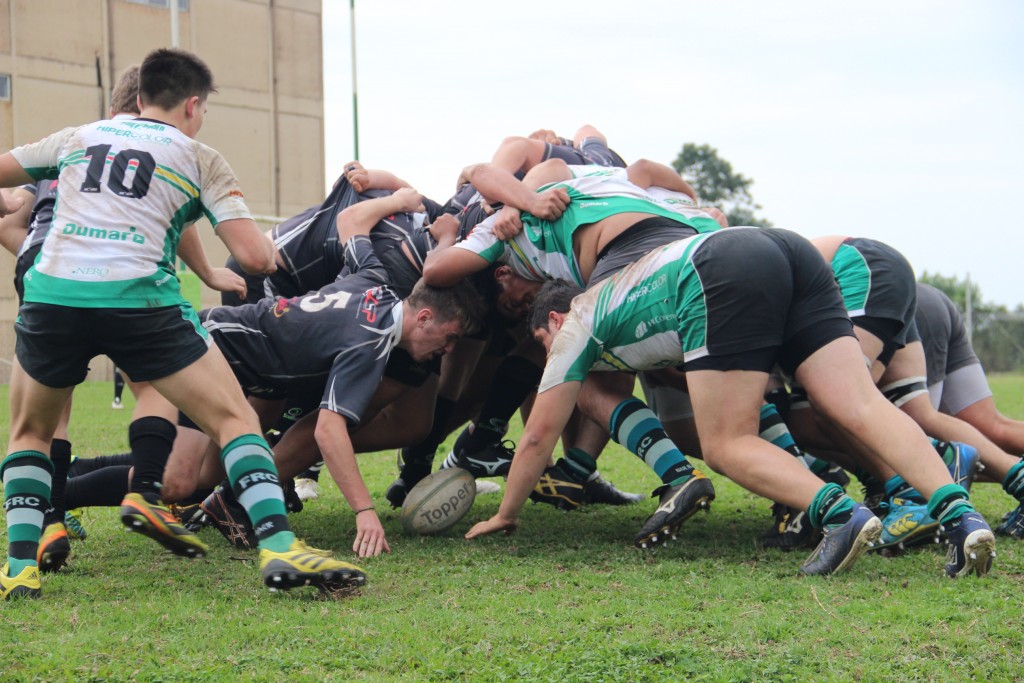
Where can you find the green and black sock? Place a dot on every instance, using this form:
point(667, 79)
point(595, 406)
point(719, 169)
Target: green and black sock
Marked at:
point(254, 482)
point(26, 476)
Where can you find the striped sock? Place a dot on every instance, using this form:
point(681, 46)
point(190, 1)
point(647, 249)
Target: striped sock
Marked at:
point(1013, 483)
point(637, 428)
point(949, 503)
point(830, 507)
point(27, 476)
point(250, 467)
point(773, 430)
point(580, 463)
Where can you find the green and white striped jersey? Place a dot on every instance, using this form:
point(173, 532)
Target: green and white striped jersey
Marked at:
point(649, 315)
point(126, 189)
point(543, 250)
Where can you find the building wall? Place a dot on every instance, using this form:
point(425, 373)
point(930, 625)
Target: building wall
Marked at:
point(266, 118)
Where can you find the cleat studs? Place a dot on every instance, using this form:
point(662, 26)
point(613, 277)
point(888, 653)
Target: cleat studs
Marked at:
point(974, 556)
point(643, 545)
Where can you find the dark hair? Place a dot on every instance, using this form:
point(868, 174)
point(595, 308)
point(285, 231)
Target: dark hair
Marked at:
point(124, 99)
point(461, 302)
point(556, 295)
point(169, 76)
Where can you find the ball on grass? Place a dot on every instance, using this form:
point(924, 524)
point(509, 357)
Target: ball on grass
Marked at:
point(438, 502)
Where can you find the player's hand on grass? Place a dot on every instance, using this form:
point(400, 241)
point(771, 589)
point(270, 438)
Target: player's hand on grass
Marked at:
point(493, 525)
point(370, 540)
point(508, 224)
point(550, 204)
point(224, 280)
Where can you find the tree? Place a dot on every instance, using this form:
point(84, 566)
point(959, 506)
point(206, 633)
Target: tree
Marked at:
point(718, 185)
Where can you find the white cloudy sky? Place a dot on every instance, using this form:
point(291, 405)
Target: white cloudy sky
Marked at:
point(901, 121)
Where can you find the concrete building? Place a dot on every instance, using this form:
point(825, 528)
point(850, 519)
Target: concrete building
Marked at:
point(59, 58)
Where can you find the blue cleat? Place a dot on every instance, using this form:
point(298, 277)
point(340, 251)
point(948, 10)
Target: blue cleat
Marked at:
point(842, 545)
point(963, 463)
point(1013, 523)
point(907, 524)
point(972, 546)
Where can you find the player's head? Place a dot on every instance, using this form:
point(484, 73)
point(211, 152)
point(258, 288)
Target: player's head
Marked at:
point(438, 316)
point(124, 98)
point(170, 78)
point(549, 309)
point(512, 294)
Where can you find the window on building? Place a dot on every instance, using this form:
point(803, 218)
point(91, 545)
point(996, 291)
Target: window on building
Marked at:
point(164, 4)
point(5, 87)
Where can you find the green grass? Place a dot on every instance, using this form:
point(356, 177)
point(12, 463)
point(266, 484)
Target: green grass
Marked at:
point(565, 599)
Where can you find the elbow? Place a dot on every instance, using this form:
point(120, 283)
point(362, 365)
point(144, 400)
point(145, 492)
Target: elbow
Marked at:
point(256, 262)
point(435, 276)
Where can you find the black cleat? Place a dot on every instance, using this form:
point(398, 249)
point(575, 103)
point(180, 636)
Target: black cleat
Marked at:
point(791, 530)
point(678, 504)
point(557, 488)
point(600, 491)
point(230, 519)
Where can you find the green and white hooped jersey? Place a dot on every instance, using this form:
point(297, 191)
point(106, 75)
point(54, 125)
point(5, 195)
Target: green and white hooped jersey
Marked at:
point(649, 315)
point(543, 250)
point(126, 189)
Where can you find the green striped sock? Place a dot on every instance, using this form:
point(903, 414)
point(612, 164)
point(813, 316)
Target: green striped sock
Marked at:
point(250, 467)
point(27, 477)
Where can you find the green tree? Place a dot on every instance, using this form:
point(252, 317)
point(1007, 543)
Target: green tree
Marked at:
point(995, 332)
point(718, 185)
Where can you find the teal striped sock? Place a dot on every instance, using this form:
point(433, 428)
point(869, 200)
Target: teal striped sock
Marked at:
point(250, 467)
point(636, 427)
point(27, 477)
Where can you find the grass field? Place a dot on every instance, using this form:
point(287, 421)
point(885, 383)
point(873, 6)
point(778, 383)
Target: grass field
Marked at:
point(565, 599)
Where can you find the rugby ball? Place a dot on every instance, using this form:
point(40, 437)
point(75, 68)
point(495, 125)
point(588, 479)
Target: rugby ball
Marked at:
point(438, 502)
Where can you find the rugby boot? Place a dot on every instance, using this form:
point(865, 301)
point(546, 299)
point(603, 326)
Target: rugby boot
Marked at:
point(557, 487)
point(301, 565)
point(493, 460)
point(229, 518)
point(1013, 523)
point(25, 585)
point(962, 461)
point(54, 548)
point(677, 504)
point(600, 491)
point(791, 530)
point(842, 544)
point(73, 523)
point(972, 546)
point(907, 524)
point(157, 522)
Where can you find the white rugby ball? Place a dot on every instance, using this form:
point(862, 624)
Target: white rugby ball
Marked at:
point(438, 502)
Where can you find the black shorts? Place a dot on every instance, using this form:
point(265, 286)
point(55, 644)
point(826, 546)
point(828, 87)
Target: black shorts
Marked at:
point(55, 343)
point(770, 298)
point(943, 334)
point(21, 266)
point(877, 283)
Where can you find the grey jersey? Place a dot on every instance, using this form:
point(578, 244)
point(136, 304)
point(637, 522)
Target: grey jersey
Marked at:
point(334, 341)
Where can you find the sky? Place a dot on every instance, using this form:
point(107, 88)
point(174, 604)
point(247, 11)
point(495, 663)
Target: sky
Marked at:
point(901, 121)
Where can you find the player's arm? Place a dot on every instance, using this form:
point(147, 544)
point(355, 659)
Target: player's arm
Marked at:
point(14, 226)
point(547, 420)
point(247, 243)
point(498, 185)
point(12, 174)
point(190, 250)
point(335, 445)
point(362, 179)
point(360, 218)
point(445, 266)
point(646, 173)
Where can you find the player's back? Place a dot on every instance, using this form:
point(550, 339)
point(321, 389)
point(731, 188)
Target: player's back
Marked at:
point(126, 190)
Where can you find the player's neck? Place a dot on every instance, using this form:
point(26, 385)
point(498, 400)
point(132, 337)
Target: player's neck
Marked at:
point(175, 117)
